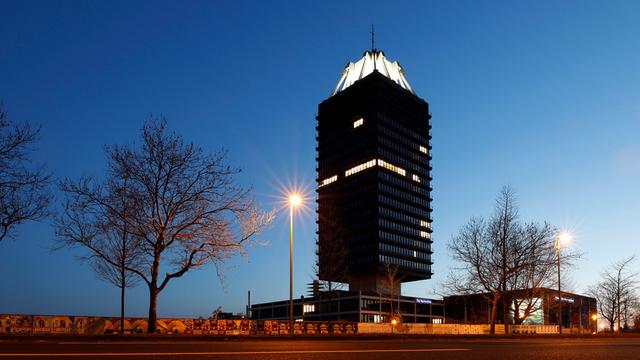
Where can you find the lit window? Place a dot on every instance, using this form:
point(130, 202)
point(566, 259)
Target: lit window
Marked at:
point(358, 123)
point(328, 181)
point(308, 308)
point(437, 321)
point(424, 234)
point(425, 224)
point(415, 178)
point(393, 168)
point(423, 149)
point(357, 169)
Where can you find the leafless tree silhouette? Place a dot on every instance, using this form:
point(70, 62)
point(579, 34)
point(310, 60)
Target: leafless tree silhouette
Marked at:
point(616, 292)
point(24, 187)
point(185, 209)
point(501, 256)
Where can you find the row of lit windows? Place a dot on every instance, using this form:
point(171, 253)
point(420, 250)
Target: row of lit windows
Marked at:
point(399, 227)
point(358, 168)
point(372, 163)
point(388, 121)
point(358, 123)
point(404, 241)
point(390, 190)
point(403, 149)
point(404, 251)
point(404, 184)
point(328, 181)
point(403, 206)
point(391, 167)
point(404, 263)
point(404, 217)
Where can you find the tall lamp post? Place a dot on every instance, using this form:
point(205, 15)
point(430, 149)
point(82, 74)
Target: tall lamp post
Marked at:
point(294, 201)
point(563, 237)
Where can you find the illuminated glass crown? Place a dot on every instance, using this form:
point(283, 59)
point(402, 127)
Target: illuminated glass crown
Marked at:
point(372, 60)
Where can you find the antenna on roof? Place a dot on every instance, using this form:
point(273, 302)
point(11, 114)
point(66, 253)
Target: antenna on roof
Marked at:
point(373, 48)
point(373, 38)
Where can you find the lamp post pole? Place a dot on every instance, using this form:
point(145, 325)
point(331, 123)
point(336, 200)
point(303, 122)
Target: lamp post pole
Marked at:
point(559, 289)
point(291, 267)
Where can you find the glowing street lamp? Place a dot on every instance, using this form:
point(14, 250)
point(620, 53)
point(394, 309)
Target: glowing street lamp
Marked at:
point(294, 201)
point(561, 240)
point(595, 323)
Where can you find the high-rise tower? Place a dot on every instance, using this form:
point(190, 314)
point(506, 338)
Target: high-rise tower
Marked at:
point(374, 178)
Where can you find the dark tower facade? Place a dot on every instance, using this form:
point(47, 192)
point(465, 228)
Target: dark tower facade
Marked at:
point(374, 178)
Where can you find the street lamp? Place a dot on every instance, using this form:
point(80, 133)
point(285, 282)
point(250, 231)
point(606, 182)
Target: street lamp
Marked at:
point(294, 201)
point(595, 323)
point(562, 239)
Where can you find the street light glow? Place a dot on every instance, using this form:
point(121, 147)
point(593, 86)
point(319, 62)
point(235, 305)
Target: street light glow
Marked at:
point(295, 200)
point(563, 239)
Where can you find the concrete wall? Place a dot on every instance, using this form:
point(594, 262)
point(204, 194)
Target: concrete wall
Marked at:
point(427, 329)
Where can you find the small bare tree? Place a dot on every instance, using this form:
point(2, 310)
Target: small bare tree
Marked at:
point(100, 223)
point(630, 309)
point(391, 288)
point(24, 189)
point(615, 292)
point(186, 209)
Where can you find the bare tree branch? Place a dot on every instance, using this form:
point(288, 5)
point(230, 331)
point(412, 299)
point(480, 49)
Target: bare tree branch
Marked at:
point(24, 187)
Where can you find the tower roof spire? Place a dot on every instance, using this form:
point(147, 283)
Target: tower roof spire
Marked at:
point(371, 61)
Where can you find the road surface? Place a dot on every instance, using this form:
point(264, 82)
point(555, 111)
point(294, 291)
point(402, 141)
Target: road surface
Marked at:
point(327, 349)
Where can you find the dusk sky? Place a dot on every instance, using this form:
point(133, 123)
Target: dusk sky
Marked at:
point(543, 96)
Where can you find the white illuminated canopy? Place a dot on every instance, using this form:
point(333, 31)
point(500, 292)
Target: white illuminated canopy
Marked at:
point(372, 60)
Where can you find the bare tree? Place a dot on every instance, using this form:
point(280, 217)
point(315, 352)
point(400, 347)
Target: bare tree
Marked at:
point(186, 209)
point(616, 293)
point(100, 223)
point(630, 309)
point(24, 188)
point(501, 257)
point(391, 288)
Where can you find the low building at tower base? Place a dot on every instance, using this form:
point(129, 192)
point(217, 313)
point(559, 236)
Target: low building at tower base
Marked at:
point(353, 306)
point(577, 310)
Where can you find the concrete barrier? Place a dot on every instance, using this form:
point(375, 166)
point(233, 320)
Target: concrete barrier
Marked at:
point(533, 329)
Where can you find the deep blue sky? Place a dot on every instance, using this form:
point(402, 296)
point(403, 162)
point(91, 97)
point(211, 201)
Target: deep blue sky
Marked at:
point(543, 96)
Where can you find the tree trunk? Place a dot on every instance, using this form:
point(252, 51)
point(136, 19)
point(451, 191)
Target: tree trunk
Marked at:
point(505, 312)
point(330, 303)
point(494, 313)
point(153, 301)
point(122, 308)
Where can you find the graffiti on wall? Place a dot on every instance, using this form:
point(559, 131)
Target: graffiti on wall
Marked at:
point(83, 325)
